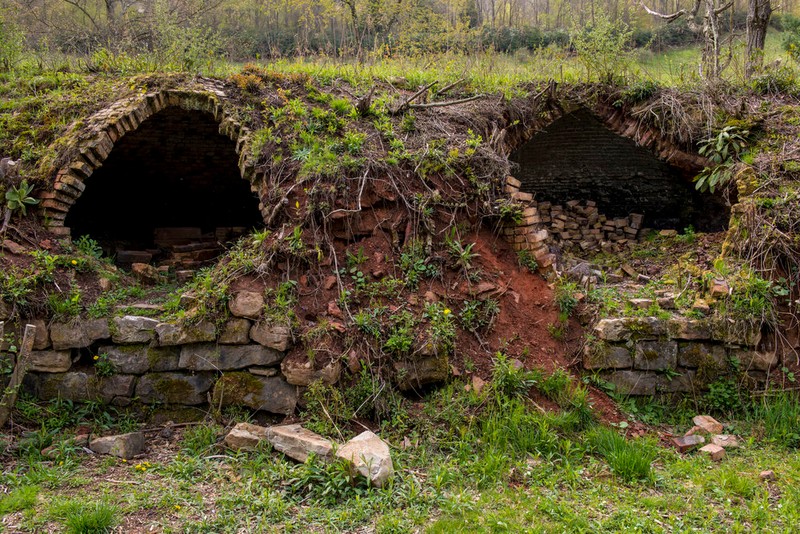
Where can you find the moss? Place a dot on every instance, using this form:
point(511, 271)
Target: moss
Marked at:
point(172, 388)
point(232, 388)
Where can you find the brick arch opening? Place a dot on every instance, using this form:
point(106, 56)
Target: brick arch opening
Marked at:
point(619, 168)
point(174, 171)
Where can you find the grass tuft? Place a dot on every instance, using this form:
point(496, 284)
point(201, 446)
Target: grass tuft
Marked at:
point(628, 460)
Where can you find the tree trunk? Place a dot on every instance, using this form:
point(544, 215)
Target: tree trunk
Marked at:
point(20, 370)
point(758, 14)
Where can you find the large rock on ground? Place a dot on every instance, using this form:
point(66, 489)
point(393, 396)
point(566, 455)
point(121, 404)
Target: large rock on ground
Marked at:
point(298, 443)
point(247, 304)
point(182, 334)
point(134, 329)
point(210, 357)
point(123, 446)
point(274, 336)
point(174, 388)
point(51, 361)
point(271, 394)
point(245, 437)
point(369, 455)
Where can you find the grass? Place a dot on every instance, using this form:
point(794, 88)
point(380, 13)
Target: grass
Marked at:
point(477, 463)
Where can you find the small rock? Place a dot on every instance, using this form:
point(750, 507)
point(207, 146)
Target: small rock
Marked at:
point(334, 310)
point(692, 431)
point(245, 437)
point(297, 442)
point(687, 443)
point(630, 271)
point(668, 233)
point(720, 288)
point(767, 475)
point(726, 441)
point(275, 336)
point(353, 362)
point(329, 282)
point(476, 385)
point(641, 304)
point(370, 457)
point(105, 284)
point(715, 452)
point(13, 247)
point(263, 371)
point(708, 424)
point(430, 296)
point(168, 431)
point(124, 446)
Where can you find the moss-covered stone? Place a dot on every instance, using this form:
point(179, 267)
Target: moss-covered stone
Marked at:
point(174, 388)
point(271, 394)
point(412, 374)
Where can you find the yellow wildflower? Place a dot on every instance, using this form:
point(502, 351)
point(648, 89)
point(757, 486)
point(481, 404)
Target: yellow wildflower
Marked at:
point(74, 262)
point(447, 311)
point(96, 357)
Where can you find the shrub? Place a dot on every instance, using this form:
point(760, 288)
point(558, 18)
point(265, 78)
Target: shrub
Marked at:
point(510, 381)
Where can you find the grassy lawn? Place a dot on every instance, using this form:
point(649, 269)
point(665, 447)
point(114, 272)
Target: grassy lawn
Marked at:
point(464, 462)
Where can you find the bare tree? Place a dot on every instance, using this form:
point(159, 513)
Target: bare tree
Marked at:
point(711, 67)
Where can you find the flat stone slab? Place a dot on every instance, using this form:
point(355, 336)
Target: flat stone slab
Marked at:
point(298, 443)
point(134, 329)
point(210, 357)
point(242, 388)
point(274, 336)
point(50, 361)
point(182, 334)
point(656, 355)
point(726, 441)
point(174, 388)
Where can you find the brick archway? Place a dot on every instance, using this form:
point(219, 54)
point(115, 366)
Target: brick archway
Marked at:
point(108, 126)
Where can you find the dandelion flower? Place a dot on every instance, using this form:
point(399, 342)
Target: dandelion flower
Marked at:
point(74, 262)
point(96, 357)
point(447, 311)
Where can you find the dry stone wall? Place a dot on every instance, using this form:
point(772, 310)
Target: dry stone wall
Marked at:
point(148, 361)
point(650, 355)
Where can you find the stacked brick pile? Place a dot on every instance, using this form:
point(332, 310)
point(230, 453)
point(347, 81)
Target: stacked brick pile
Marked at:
point(579, 227)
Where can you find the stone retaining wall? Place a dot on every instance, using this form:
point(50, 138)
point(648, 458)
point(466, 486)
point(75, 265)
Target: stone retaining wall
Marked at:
point(649, 355)
point(164, 363)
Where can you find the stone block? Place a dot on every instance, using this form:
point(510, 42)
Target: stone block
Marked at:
point(415, 373)
point(633, 382)
point(275, 336)
point(726, 441)
point(211, 357)
point(133, 329)
point(139, 359)
point(78, 334)
point(300, 371)
point(755, 360)
point(625, 328)
point(116, 387)
point(123, 446)
point(298, 443)
point(695, 354)
point(707, 424)
point(236, 331)
point(181, 334)
point(174, 388)
point(687, 443)
point(689, 329)
point(73, 386)
point(50, 361)
point(605, 356)
point(247, 304)
point(684, 382)
point(714, 452)
point(655, 355)
point(271, 394)
point(42, 340)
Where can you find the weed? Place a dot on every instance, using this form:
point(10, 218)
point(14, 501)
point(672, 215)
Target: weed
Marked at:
point(527, 260)
point(103, 367)
point(88, 247)
point(780, 417)
point(509, 380)
point(85, 517)
point(478, 314)
point(565, 298)
point(630, 461)
point(21, 498)
point(198, 440)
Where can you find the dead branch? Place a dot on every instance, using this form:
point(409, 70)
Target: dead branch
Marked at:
point(446, 103)
point(446, 88)
point(20, 370)
point(416, 95)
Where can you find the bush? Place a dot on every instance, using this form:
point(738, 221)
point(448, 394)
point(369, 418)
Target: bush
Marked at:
point(603, 48)
point(12, 41)
point(780, 417)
